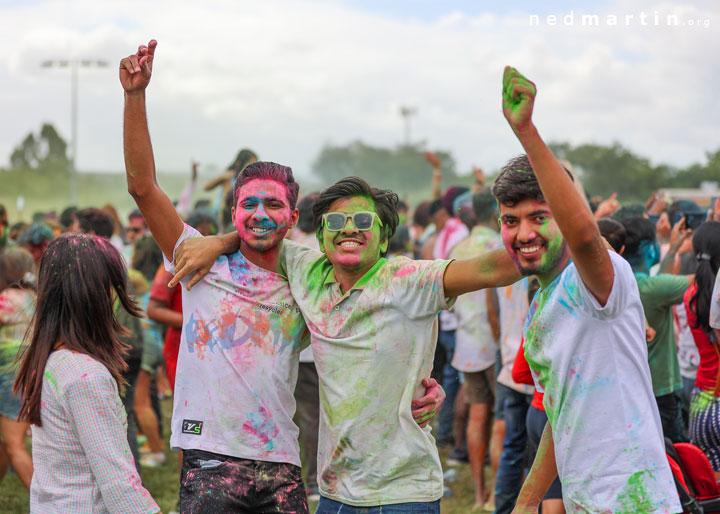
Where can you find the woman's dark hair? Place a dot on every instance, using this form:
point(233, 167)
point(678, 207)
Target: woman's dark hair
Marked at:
point(517, 182)
point(80, 279)
point(706, 245)
point(613, 232)
point(638, 230)
point(305, 219)
point(269, 171)
point(385, 203)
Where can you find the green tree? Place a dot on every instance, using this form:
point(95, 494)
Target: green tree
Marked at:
point(46, 152)
point(695, 174)
point(401, 169)
point(608, 169)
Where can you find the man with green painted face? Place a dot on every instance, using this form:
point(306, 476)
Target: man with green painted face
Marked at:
point(658, 294)
point(584, 337)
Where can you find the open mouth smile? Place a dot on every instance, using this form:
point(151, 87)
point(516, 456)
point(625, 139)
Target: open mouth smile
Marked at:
point(349, 244)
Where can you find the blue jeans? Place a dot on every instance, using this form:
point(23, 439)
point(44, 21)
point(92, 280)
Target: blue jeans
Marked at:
point(512, 461)
point(451, 384)
point(327, 506)
point(536, 420)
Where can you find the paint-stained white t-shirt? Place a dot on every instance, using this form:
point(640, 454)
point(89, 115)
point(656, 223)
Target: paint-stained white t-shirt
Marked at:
point(591, 362)
point(373, 346)
point(715, 304)
point(237, 364)
point(475, 346)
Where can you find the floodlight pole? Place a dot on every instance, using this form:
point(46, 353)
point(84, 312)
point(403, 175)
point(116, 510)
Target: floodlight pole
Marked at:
point(406, 112)
point(74, 66)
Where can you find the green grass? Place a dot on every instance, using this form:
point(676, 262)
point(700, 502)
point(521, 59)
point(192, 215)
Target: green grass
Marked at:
point(162, 482)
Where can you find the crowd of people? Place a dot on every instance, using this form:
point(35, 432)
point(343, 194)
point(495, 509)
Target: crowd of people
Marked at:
point(329, 347)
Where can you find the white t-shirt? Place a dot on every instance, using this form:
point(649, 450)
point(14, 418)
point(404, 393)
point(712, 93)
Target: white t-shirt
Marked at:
point(311, 241)
point(514, 305)
point(591, 362)
point(452, 233)
point(687, 352)
point(715, 304)
point(373, 346)
point(475, 346)
point(237, 364)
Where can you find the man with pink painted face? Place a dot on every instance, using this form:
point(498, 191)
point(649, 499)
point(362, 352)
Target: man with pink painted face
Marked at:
point(242, 329)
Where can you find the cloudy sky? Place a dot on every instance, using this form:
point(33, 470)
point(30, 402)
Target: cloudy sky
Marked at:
point(283, 77)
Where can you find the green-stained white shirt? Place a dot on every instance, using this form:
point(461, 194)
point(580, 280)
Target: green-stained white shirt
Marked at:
point(373, 346)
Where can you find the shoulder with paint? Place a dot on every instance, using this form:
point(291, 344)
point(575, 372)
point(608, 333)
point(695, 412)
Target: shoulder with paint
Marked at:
point(66, 367)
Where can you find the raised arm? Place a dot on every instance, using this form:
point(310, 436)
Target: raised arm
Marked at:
point(157, 209)
point(573, 217)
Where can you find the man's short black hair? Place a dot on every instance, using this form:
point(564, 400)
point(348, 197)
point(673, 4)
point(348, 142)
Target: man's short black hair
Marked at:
point(517, 182)
point(95, 220)
point(385, 203)
point(638, 230)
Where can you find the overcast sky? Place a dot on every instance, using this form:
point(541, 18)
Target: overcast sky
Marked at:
point(284, 77)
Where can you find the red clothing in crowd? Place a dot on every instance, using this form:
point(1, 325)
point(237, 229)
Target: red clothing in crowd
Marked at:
point(522, 375)
point(707, 372)
point(172, 297)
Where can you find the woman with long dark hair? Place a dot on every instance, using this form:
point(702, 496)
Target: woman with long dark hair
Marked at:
point(705, 398)
point(69, 378)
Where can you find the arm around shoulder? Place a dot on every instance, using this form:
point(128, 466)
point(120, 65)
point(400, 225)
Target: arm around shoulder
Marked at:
point(490, 269)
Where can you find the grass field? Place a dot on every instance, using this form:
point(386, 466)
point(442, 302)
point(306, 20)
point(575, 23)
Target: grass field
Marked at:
point(162, 483)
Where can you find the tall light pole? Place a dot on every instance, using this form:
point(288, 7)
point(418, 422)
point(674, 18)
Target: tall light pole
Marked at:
point(406, 112)
point(74, 65)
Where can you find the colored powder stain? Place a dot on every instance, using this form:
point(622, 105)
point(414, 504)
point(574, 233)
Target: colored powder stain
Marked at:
point(568, 307)
point(352, 406)
point(634, 496)
point(701, 402)
point(261, 425)
point(50, 378)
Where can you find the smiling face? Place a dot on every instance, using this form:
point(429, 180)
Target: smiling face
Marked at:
point(352, 251)
point(532, 238)
point(262, 215)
